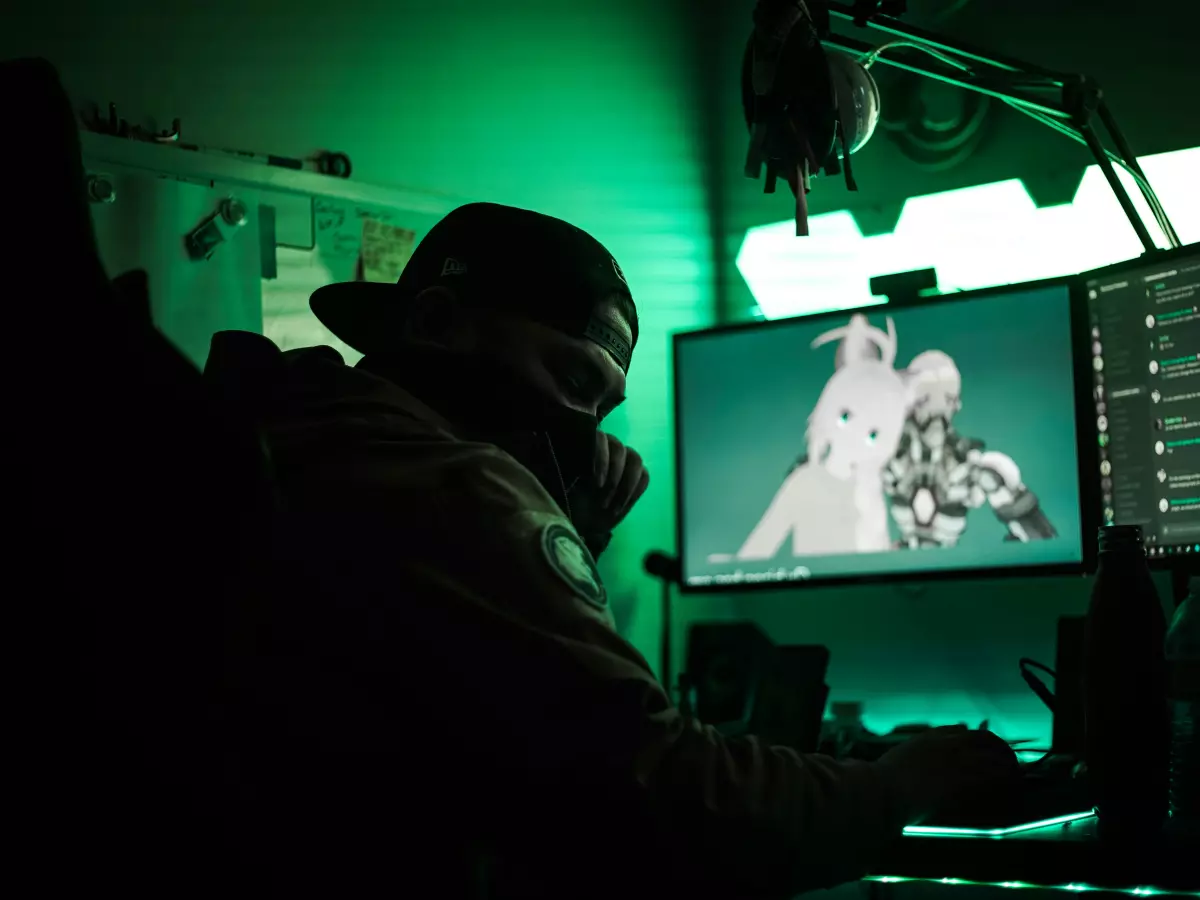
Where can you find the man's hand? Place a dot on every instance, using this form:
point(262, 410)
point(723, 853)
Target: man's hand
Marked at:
point(944, 768)
point(621, 478)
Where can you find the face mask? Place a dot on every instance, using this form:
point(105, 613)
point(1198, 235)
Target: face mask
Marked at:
point(539, 432)
point(492, 403)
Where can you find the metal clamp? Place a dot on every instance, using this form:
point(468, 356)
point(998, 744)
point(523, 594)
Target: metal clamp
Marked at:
point(202, 242)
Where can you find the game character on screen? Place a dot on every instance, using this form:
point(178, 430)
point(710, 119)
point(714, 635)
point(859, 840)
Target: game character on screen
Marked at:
point(833, 502)
point(937, 475)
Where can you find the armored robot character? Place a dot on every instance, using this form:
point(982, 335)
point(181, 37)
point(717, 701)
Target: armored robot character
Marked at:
point(937, 475)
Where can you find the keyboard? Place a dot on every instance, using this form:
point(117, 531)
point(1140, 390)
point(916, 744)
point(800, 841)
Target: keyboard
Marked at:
point(1044, 795)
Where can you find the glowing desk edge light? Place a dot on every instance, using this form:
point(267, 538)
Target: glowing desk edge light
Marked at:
point(939, 831)
point(1075, 888)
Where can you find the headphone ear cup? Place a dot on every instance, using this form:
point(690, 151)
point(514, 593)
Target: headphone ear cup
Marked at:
point(748, 95)
point(800, 103)
point(807, 87)
point(856, 100)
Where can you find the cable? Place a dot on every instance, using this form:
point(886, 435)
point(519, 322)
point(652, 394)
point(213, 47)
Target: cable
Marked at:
point(868, 59)
point(917, 139)
point(1026, 662)
point(1156, 208)
point(1036, 684)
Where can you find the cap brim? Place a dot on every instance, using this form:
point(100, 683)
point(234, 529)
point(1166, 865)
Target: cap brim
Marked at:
point(365, 315)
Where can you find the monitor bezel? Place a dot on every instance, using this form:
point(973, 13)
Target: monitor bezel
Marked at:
point(1087, 450)
point(1136, 263)
point(1156, 563)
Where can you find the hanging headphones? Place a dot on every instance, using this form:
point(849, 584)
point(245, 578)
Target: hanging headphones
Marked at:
point(806, 110)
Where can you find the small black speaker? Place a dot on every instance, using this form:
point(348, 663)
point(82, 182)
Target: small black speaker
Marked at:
point(790, 702)
point(725, 664)
point(742, 683)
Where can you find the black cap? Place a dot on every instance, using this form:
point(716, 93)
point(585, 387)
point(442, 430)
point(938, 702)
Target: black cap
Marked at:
point(508, 259)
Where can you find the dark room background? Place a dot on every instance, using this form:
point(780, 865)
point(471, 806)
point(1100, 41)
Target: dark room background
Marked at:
point(624, 117)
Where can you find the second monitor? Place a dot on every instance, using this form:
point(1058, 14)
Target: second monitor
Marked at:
point(1144, 332)
point(936, 437)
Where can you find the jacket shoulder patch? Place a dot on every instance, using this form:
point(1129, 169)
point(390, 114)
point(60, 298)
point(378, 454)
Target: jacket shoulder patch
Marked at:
point(570, 560)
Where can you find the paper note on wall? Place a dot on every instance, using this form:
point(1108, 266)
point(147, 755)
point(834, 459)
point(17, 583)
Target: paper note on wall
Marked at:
point(385, 250)
point(338, 234)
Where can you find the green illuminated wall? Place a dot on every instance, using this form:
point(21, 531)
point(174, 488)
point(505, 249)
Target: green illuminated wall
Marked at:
point(581, 110)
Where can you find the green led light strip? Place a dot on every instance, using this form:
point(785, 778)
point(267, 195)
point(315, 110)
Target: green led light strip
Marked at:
point(1072, 888)
point(938, 831)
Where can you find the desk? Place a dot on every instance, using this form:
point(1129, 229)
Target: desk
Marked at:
point(1058, 856)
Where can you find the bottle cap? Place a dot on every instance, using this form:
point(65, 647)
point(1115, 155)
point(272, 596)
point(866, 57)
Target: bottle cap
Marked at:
point(1120, 537)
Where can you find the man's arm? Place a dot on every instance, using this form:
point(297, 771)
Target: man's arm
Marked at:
point(589, 519)
point(485, 607)
point(758, 819)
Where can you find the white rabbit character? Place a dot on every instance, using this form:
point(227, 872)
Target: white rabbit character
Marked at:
point(833, 502)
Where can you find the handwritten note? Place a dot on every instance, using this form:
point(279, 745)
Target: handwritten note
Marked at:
point(385, 250)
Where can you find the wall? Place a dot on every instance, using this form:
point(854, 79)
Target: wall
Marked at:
point(580, 110)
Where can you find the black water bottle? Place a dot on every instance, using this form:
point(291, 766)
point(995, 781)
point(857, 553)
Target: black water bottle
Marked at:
point(1183, 701)
point(1125, 691)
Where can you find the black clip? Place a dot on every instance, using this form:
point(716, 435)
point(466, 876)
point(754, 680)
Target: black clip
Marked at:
point(865, 10)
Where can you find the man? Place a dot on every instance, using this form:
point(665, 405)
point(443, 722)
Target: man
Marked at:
point(442, 693)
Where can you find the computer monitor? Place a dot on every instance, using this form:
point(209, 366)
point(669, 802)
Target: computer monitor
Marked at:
point(1144, 331)
point(937, 437)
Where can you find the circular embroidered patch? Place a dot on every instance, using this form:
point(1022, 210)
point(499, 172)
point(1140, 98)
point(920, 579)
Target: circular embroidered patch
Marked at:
point(573, 563)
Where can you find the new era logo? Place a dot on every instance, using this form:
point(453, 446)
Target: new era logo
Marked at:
point(620, 274)
point(453, 267)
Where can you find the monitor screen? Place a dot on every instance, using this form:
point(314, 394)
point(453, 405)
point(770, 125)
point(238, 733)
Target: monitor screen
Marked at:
point(1145, 334)
point(933, 437)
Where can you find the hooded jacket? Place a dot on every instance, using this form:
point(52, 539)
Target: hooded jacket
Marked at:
point(444, 705)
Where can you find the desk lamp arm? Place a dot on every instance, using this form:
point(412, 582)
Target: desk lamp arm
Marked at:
point(1069, 104)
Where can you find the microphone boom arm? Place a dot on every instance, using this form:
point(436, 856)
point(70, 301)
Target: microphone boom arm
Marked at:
point(1070, 104)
